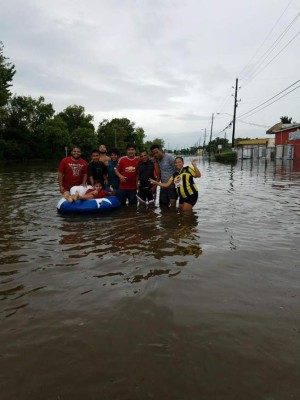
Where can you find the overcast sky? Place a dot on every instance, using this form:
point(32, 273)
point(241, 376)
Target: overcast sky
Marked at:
point(167, 65)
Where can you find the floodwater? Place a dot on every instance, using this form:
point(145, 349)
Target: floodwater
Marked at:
point(147, 303)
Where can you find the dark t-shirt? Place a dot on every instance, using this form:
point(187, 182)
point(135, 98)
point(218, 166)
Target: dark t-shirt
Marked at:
point(97, 170)
point(146, 171)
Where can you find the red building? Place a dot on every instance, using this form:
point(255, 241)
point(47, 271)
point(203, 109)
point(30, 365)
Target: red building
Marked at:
point(287, 140)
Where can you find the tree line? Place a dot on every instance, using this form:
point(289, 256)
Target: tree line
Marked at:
point(31, 129)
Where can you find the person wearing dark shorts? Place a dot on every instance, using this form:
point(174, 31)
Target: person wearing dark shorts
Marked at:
point(147, 169)
point(183, 179)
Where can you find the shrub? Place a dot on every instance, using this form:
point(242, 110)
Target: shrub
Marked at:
point(226, 158)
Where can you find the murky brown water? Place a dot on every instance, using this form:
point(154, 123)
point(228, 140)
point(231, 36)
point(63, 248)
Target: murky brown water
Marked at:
point(151, 304)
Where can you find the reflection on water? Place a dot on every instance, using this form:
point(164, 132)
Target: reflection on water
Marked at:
point(200, 305)
point(288, 170)
point(146, 238)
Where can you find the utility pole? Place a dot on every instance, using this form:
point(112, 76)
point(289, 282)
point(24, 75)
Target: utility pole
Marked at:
point(211, 129)
point(234, 112)
point(204, 138)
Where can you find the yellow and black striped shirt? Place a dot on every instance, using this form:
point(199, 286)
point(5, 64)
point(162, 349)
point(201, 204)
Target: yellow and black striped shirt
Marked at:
point(184, 182)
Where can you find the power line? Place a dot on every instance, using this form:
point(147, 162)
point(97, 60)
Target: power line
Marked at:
point(225, 99)
point(266, 54)
point(274, 101)
point(252, 123)
point(224, 129)
point(258, 72)
point(260, 109)
point(271, 48)
point(244, 122)
point(259, 64)
point(264, 41)
point(269, 99)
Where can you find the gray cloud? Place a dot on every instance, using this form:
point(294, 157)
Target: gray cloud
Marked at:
point(169, 64)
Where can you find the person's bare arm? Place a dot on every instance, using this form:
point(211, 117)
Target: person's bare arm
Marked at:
point(197, 171)
point(84, 180)
point(121, 177)
point(163, 185)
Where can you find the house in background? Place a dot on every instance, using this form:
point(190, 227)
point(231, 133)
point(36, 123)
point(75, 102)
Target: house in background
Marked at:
point(255, 148)
point(287, 140)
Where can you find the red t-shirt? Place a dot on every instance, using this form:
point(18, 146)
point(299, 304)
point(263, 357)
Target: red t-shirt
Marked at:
point(128, 168)
point(99, 195)
point(73, 171)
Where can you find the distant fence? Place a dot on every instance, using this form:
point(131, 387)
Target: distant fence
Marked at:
point(256, 151)
point(286, 152)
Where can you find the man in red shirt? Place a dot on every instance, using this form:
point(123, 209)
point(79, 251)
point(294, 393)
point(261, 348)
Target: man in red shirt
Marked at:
point(72, 171)
point(126, 170)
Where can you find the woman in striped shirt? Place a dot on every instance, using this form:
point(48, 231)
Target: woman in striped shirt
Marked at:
point(183, 180)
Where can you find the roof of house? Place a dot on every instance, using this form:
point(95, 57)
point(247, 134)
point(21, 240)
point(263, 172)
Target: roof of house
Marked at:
point(280, 127)
point(252, 142)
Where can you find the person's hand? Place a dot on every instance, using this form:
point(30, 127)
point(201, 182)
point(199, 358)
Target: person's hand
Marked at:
point(193, 161)
point(84, 185)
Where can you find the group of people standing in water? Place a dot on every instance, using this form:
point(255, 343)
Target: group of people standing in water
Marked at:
point(131, 178)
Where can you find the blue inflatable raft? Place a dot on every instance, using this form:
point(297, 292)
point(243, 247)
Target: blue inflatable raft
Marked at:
point(102, 205)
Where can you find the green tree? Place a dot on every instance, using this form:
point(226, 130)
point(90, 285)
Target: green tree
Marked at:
point(118, 132)
point(86, 139)
point(14, 150)
point(55, 138)
point(7, 72)
point(107, 133)
point(80, 128)
point(186, 151)
point(149, 143)
point(286, 120)
point(75, 117)
point(212, 147)
point(26, 113)
point(140, 136)
point(20, 123)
